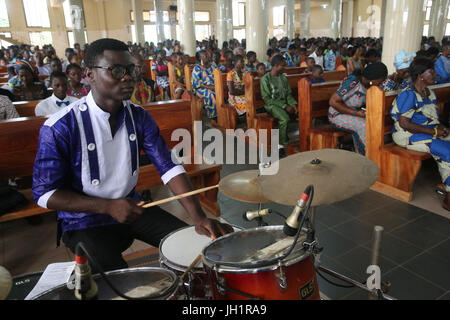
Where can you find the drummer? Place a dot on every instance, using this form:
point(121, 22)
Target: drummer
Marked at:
point(87, 166)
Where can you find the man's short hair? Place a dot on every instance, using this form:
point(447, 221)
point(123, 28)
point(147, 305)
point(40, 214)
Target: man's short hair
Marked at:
point(277, 59)
point(260, 65)
point(97, 48)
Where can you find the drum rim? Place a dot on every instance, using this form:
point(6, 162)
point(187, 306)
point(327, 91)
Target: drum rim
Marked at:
point(163, 260)
point(299, 255)
point(170, 291)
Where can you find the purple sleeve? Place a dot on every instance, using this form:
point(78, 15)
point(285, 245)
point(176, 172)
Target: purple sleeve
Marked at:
point(50, 166)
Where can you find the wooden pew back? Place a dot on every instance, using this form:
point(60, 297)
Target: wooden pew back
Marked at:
point(313, 102)
point(26, 108)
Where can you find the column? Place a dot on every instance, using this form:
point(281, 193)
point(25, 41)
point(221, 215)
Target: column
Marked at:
point(383, 17)
point(157, 4)
point(224, 29)
point(290, 17)
point(138, 21)
point(347, 19)
point(336, 12)
point(304, 18)
point(438, 17)
point(187, 26)
point(256, 31)
point(76, 11)
point(402, 30)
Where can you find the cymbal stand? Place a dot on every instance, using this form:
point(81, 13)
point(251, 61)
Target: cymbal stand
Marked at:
point(261, 222)
point(311, 243)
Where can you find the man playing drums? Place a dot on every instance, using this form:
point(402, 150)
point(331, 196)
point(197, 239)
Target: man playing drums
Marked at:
point(87, 166)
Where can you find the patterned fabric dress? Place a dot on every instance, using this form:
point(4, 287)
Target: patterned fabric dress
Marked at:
point(391, 85)
point(162, 81)
point(422, 111)
point(179, 76)
point(205, 76)
point(238, 102)
point(142, 94)
point(353, 93)
point(290, 60)
point(82, 93)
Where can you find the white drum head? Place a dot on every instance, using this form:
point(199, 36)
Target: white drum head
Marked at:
point(180, 248)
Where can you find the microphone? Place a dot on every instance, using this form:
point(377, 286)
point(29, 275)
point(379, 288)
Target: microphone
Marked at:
point(291, 224)
point(250, 215)
point(85, 286)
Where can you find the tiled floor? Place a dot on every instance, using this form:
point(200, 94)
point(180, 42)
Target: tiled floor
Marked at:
point(415, 255)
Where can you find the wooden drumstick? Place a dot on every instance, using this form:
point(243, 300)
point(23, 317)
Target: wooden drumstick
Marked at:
point(193, 264)
point(180, 196)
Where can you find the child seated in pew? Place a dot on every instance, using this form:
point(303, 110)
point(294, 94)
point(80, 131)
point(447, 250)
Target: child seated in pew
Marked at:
point(76, 88)
point(316, 74)
point(161, 70)
point(260, 69)
point(228, 55)
point(310, 63)
point(59, 99)
point(236, 88)
point(55, 65)
point(290, 56)
point(251, 60)
point(270, 54)
point(180, 81)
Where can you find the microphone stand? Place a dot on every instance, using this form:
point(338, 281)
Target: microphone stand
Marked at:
point(261, 222)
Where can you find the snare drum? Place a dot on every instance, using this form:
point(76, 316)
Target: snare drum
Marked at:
point(177, 251)
point(227, 262)
point(133, 282)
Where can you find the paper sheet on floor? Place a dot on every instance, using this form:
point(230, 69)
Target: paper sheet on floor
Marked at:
point(54, 275)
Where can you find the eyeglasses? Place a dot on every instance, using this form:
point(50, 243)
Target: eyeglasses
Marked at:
point(118, 71)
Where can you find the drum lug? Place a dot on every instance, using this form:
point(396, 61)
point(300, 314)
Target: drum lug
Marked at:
point(221, 281)
point(281, 279)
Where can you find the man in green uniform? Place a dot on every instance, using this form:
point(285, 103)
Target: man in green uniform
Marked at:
point(277, 96)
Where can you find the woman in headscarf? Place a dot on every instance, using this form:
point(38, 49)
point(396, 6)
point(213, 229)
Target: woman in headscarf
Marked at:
point(416, 121)
point(401, 78)
point(203, 83)
point(347, 104)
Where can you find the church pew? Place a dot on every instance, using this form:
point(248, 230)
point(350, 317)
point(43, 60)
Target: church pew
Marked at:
point(196, 102)
point(18, 146)
point(254, 100)
point(313, 102)
point(26, 108)
point(398, 166)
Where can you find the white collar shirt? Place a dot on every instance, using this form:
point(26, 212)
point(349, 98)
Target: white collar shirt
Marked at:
point(49, 106)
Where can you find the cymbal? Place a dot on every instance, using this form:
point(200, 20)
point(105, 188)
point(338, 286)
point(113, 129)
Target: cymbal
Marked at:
point(335, 174)
point(243, 186)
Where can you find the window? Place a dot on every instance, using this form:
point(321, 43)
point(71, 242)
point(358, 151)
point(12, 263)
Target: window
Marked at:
point(202, 31)
point(4, 20)
point(150, 33)
point(165, 16)
point(36, 13)
point(447, 29)
point(426, 27)
point(145, 16)
point(238, 13)
point(6, 34)
point(201, 16)
point(41, 38)
point(278, 16)
point(67, 14)
point(71, 38)
point(239, 34)
point(133, 33)
point(428, 12)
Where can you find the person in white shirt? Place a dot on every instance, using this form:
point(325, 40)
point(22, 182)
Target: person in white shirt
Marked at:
point(59, 99)
point(318, 56)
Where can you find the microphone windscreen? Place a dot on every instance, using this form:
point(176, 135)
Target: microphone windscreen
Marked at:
point(245, 216)
point(289, 231)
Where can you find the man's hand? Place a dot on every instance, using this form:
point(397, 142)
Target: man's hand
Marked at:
point(361, 113)
point(212, 228)
point(124, 210)
point(442, 131)
point(291, 109)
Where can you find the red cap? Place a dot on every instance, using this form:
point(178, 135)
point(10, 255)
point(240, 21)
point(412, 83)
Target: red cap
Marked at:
point(305, 196)
point(81, 259)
